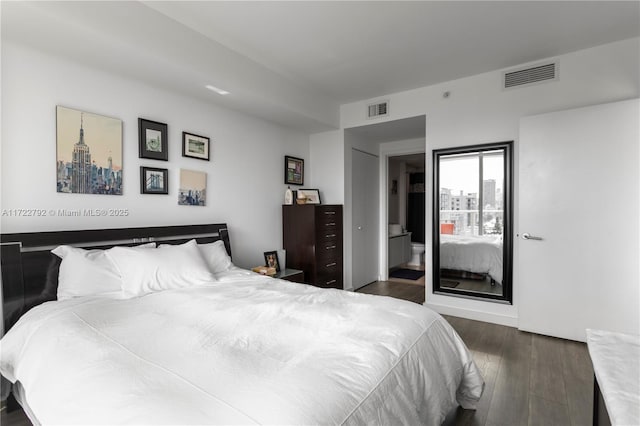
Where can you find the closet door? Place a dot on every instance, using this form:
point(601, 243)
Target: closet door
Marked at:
point(365, 218)
point(577, 249)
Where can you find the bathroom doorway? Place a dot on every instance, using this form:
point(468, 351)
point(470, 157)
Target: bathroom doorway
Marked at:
point(406, 218)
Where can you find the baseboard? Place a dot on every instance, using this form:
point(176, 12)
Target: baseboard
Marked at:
point(473, 315)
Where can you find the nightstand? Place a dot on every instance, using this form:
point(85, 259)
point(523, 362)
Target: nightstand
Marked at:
point(290, 274)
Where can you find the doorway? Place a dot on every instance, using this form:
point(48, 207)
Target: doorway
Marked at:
point(384, 139)
point(406, 218)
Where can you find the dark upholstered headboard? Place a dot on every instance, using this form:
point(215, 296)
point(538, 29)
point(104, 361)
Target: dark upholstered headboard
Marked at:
point(30, 270)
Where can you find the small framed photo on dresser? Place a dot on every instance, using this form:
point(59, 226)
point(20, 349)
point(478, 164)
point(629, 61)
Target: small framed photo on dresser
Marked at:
point(308, 196)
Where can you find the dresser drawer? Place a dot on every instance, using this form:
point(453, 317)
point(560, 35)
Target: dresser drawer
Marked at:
point(328, 249)
point(330, 280)
point(329, 234)
point(327, 228)
point(329, 266)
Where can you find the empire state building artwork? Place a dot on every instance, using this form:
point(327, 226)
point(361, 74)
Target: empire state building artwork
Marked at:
point(89, 153)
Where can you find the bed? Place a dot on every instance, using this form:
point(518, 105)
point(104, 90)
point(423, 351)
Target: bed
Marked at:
point(219, 345)
point(475, 254)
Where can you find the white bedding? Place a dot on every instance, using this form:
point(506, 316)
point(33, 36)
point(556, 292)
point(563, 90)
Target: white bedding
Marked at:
point(479, 254)
point(244, 350)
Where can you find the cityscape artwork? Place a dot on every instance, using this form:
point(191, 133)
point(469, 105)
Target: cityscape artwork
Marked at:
point(89, 153)
point(193, 188)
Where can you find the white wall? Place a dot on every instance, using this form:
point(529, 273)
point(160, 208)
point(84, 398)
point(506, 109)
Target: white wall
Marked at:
point(326, 151)
point(478, 110)
point(245, 185)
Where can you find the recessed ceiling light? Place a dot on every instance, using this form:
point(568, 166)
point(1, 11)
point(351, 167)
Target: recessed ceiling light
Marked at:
point(215, 89)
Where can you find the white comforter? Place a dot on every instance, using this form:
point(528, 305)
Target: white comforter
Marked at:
point(481, 254)
point(245, 350)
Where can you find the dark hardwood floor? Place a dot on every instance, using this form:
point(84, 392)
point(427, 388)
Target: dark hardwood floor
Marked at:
point(530, 379)
point(400, 290)
point(14, 418)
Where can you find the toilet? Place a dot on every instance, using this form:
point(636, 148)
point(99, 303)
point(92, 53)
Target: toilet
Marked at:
point(417, 254)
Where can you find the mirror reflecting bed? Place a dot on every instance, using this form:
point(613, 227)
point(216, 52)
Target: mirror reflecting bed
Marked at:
point(472, 221)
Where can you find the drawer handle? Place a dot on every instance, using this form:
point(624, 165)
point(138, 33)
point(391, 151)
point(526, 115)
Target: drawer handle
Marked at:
point(330, 247)
point(331, 282)
point(329, 212)
point(330, 224)
point(329, 265)
point(330, 235)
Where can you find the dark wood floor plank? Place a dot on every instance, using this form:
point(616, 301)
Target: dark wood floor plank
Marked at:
point(14, 418)
point(578, 380)
point(486, 344)
point(547, 372)
point(510, 402)
point(576, 360)
point(544, 412)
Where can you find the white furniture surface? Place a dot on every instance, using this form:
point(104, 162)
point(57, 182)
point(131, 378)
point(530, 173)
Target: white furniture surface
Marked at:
point(399, 249)
point(616, 364)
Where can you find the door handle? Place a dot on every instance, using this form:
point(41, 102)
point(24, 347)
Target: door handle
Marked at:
point(527, 236)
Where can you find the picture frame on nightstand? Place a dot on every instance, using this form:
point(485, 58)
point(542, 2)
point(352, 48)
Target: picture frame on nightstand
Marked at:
point(271, 260)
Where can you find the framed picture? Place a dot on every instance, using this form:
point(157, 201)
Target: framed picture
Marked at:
point(152, 140)
point(293, 170)
point(154, 181)
point(271, 260)
point(88, 153)
point(195, 146)
point(193, 188)
point(311, 196)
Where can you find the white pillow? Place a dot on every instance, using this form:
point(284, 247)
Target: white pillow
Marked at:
point(87, 273)
point(164, 268)
point(215, 254)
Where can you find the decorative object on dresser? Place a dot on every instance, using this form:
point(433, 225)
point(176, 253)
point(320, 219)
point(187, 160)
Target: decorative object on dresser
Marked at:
point(312, 237)
point(271, 260)
point(264, 270)
point(288, 196)
point(293, 170)
point(152, 140)
point(310, 196)
point(195, 146)
point(154, 180)
point(89, 153)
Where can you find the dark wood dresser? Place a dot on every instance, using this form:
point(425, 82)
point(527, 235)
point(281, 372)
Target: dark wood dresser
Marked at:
point(312, 237)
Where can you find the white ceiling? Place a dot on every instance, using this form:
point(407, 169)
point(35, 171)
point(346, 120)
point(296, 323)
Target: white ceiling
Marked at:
point(294, 63)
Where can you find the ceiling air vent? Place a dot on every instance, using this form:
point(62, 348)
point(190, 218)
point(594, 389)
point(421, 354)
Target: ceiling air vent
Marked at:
point(530, 75)
point(378, 110)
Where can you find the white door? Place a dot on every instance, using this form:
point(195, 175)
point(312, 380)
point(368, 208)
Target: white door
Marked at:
point(579, 192)
point(365, 195)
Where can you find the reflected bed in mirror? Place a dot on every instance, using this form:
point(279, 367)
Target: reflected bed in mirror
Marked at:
point(472, 244)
